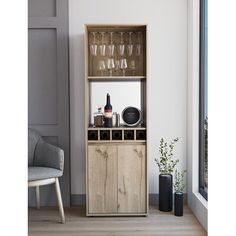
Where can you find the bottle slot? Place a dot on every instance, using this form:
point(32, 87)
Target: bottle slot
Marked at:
point(129, 135)
point(116, 134)
point(140, 134)
point(104, 134)
point(92, 135)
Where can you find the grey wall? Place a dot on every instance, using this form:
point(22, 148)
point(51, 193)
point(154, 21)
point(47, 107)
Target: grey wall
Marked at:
point(48, 97)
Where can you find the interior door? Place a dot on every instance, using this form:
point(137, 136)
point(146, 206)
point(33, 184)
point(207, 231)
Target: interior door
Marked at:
point(132, 178)
point(48, 79)
point(102, 177)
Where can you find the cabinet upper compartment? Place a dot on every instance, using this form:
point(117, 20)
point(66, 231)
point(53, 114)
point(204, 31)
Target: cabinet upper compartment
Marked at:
point(115, 51)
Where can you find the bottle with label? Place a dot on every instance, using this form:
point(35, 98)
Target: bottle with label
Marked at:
point(108, 113)
point(98, 118)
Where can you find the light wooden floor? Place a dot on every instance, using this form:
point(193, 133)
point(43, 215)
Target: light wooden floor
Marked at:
point(45, 222)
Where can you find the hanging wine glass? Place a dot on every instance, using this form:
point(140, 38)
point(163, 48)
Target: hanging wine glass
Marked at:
point(121, 46)
point(123, 65)
point(111, 46)
point(102, 47)
point(101, 66)
point(138, 45)
point(93, 46)
point(110, 65)
point(130, 45)
point(132, 66)
point(117, 66)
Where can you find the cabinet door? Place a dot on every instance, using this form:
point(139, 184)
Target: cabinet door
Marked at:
point(132, 179)
point(102, 179)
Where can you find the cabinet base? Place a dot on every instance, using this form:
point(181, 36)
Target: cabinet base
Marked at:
point(117, 214)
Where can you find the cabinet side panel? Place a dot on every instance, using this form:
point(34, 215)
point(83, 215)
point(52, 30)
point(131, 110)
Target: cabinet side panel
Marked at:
point(102, 179)
point(132, 179)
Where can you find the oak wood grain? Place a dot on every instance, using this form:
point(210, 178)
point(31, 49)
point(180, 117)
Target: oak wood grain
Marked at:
point(45, 222)
point(102, 177)
point(131, 179)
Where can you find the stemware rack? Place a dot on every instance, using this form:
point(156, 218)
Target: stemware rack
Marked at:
point(100, 52)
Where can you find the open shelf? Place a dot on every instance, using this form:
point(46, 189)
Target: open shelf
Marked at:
point(133, 52)
point(113, 78)
point(117, 128)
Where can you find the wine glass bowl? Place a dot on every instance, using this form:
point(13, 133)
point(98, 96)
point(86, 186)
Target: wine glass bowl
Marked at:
point(102, 47)
point(93, 46)
point(101, 66)
point(132, 66)
point(138, 45)
point(121, 45)
point(130, 45)
point(123, 65)
point(117, 66)
point(110, 50)
point(110, 65)
point(130, 49)
point(111, 46)
point(138, 49)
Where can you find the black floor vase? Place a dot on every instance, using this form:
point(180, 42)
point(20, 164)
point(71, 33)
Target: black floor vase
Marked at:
point(165, 192)
point(179, 201)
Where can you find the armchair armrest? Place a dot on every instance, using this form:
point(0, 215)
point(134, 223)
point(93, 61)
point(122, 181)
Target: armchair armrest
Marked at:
point(48, 155)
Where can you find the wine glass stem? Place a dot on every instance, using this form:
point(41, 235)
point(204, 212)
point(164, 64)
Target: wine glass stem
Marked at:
point(123, 72)
point(93, 37)
point(110, 72)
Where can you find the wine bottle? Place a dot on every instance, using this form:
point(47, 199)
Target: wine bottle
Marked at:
point(108, 113)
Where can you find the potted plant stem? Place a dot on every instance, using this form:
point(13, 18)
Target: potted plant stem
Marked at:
point(166, 166)
point(179, 185)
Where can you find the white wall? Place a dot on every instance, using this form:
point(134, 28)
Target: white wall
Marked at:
point(167, 60)
point(195, 201)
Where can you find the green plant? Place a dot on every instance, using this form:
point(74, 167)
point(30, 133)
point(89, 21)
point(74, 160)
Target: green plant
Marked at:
point(165, 162)
point(179, 183)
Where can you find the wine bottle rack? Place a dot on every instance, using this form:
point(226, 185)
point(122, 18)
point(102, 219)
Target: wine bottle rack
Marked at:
point(128, 134)
point(104, 134)
point(93, 135)
point(116, 134)
point(140, 134)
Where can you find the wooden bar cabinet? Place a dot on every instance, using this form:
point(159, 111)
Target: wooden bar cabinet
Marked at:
point(117, 157)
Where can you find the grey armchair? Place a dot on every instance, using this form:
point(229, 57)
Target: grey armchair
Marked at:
point(45, 166)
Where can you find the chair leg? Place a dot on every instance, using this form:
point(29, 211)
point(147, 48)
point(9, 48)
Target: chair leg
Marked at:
point(37, 197)
point(61, 210)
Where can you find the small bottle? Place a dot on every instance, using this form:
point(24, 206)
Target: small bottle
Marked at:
point(98, 118)
point(114, 119)
point(108, 113)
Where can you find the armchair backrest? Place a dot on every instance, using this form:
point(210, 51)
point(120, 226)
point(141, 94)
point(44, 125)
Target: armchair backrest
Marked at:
point(33, 138)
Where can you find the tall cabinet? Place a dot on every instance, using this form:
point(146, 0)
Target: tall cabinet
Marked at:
point(116, 158)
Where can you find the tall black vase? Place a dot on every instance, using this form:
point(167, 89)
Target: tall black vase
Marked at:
point(165, 192)
point(179, 201)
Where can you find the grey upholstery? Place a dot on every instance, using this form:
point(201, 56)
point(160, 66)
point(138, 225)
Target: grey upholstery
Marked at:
point(38, 173)
point(33, 138)
point(47, 155)
point(44, 160)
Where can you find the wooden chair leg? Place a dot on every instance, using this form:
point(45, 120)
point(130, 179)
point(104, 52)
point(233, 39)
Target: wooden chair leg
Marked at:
point(37, 197)
point(61, 210)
